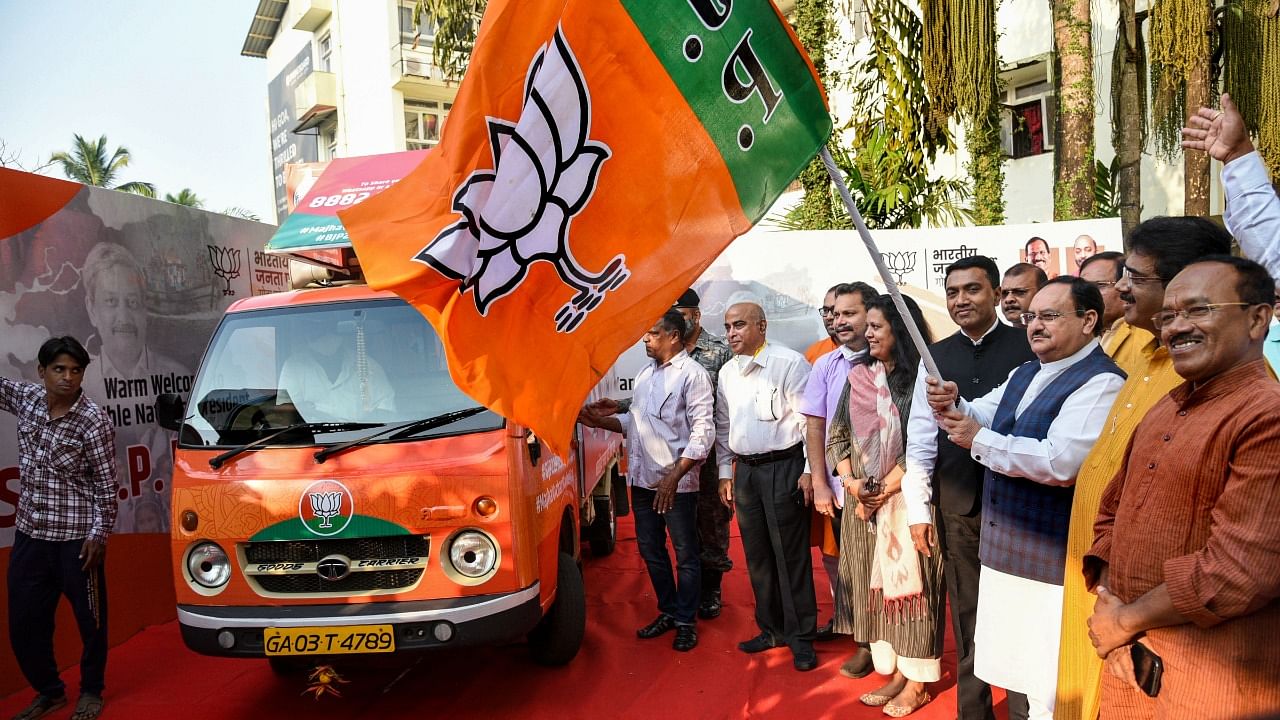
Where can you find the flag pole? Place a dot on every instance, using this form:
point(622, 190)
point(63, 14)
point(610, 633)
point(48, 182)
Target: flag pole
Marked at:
point(890, 285)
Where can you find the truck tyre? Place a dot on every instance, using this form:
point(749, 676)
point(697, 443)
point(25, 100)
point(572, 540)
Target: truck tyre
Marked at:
point(603, 532)
point(557, 638)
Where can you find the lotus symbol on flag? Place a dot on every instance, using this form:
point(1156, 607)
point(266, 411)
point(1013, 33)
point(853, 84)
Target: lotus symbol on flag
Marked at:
point(545, 170)
point(326, 506)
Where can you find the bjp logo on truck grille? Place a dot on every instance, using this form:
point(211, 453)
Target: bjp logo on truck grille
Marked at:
point(326, 507)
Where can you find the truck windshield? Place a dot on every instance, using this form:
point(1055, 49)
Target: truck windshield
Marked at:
point(357, 363)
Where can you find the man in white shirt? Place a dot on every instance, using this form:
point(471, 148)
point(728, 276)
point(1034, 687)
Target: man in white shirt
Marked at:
point(758, 424)
point(1032, 433)
point(670, 427)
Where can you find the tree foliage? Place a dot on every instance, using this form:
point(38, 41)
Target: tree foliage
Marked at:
point(963, 76)
point(89, 163)
point(186, 196)
point(889, 191)
point(1251, 70)
point(893, 132)
point(456, 24)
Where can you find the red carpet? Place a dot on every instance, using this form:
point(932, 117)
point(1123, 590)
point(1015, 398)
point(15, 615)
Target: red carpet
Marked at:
point(615, 675)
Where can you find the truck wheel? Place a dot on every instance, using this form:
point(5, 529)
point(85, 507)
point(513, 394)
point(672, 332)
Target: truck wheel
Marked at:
point(556, 639)
point(603, 533)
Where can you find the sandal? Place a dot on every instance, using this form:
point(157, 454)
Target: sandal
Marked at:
point(41, 706)
point(901, 711)
point(88, 707)
point(875, 700)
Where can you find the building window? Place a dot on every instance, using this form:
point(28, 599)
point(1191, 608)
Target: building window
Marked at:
point(324, 53)
point(423, 122)
point(1028, 129)
point(329, 142)
point(426, 33)
point(1028, 115)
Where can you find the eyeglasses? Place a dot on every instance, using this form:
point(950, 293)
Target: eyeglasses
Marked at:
point(1103, 284)
point(1046, 316)
point(1192, 314)
point(1134, 278)
point(826, 311)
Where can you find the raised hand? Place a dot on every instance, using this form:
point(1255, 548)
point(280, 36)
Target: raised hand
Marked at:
point(1221, 133)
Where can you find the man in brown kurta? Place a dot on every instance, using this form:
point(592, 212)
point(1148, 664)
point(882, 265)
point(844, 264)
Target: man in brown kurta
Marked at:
point(1187, 544)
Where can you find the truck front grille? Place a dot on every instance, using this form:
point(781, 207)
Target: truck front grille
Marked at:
point(374, 565)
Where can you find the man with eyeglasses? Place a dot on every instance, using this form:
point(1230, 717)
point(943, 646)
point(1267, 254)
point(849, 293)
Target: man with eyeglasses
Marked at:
point(943, 484)
point(1032, 433)
point(827, 313)
point(1159, 249)
point(1186, 554)
point(1020, 285)
point(1103, 270)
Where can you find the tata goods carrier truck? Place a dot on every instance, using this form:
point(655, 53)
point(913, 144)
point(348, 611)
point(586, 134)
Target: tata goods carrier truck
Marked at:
point(334, 492)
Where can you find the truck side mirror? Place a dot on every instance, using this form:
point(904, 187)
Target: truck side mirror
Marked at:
point(170, 408)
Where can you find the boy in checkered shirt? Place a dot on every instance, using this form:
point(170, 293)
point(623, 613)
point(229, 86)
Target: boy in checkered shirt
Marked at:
point(66, 509)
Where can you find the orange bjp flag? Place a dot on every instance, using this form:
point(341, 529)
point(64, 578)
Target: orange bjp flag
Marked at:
point(600, 154)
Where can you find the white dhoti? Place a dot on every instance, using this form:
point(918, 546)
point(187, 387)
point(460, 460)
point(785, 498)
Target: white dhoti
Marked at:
point(1016, 637)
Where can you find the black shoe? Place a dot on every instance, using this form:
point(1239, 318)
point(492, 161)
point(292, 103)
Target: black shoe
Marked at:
point(686, 638)
point(827, 632)
point(663, 624)
point(804, 659)
point(710, 607)
point(759, 643)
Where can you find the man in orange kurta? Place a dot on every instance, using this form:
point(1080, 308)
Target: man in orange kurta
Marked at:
point(1186, 555)
point(1159, 249)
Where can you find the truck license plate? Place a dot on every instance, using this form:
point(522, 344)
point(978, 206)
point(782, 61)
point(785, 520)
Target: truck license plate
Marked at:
point(340, 640)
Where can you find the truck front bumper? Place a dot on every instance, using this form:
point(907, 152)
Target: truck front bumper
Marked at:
point(477, 620)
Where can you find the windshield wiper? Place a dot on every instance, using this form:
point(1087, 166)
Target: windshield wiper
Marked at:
point(218, 460)
point(399, 431)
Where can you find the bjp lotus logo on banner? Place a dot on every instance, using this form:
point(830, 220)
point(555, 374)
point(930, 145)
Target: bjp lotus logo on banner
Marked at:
point(326, 507)
point(600, 154)
point(547, 168)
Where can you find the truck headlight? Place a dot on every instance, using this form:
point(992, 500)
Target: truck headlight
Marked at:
point(208, 565)
point(473, 554)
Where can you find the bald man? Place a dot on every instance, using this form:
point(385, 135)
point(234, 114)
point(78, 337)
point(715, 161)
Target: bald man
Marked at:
point(1084, 249)
point(759, 424)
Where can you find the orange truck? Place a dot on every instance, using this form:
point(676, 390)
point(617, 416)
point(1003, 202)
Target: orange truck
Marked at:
point(335, 493)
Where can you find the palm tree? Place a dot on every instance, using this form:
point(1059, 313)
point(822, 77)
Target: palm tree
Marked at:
point(88, 163)
point(242, 213)
point(186, 196)
point(1074, 181)
point(961, 74)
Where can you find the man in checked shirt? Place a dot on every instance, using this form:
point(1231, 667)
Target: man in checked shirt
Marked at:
point(66, 509)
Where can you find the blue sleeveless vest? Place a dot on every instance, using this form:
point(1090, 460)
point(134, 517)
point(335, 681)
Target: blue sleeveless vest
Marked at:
point(1026, 523)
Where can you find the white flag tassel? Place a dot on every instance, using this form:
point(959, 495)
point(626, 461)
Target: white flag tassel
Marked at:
point(892, 287)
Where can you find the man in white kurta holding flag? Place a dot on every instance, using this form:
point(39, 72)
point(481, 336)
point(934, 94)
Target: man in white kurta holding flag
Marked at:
point(1032, 433)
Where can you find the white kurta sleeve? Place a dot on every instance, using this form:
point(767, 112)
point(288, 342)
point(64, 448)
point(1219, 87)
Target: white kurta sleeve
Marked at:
point(1252, 213)
point(922, 454)
point(1055, 460)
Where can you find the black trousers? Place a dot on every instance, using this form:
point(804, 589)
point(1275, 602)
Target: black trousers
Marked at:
point(960, 536)
point(774, 522)
point(39, 572)
point(713, 520)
